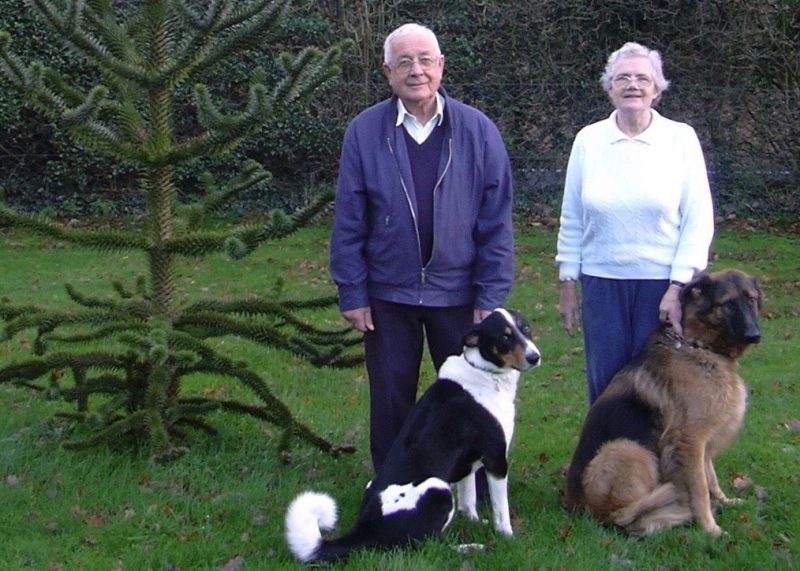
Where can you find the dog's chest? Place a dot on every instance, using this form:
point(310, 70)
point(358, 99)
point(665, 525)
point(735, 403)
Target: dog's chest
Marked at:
point(494, 392)
point(709, 387)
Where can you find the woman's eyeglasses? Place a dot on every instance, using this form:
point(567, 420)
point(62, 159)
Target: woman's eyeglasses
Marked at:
point(624, 80)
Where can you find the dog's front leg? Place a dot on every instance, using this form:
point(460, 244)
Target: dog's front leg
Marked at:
point(683, 462)
point(467, 497)
point(714, 487)
point(694, 473)
point(498, 492)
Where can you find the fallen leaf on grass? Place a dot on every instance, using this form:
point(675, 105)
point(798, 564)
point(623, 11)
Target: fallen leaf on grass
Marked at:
point(621, 561)
point(95, 520)
point(77, 510)
point(741, 481)
point(564, 532)
point(234, 564)
point(463, 548)
point(258, 520)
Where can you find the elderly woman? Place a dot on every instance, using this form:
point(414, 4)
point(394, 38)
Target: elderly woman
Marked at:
point(636, 218)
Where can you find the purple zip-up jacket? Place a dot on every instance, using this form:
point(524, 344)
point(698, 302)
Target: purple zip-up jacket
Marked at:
point(375, 250)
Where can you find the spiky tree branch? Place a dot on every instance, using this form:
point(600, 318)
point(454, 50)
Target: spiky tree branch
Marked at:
point(149, 340)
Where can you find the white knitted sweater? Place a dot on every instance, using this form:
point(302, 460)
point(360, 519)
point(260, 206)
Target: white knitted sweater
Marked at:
point(635, 208)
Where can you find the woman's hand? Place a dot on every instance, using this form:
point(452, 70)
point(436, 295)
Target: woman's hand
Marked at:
point(669, 310)
point(568, 306)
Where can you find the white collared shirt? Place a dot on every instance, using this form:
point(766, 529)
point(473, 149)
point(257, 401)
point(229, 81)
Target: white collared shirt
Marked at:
point(413, 127)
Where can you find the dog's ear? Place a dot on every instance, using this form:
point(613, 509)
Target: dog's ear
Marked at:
point(760, 298)
point(472, 338)
point(698, 291)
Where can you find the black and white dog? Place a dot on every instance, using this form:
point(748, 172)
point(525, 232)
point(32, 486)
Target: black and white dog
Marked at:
point(464, 420)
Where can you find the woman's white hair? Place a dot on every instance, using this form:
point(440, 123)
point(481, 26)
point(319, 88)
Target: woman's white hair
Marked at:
point(404, 30)
point(632, 49)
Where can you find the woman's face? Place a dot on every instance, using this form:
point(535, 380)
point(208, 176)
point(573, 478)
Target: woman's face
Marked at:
point(633, 87)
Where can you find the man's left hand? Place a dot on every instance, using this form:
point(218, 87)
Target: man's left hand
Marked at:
point(479, 315)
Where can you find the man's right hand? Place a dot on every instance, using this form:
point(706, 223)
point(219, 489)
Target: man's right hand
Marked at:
point(360, 318)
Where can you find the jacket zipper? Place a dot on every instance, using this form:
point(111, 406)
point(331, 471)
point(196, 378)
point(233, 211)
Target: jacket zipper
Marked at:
point(436, 193)
point(422, 277)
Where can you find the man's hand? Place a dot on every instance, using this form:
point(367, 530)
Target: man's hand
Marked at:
point(479, 315)
point(360, 318)
point(568, 306)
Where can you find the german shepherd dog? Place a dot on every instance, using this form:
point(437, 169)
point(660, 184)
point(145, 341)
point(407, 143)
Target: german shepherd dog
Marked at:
point(644, 458)
point(464, 420)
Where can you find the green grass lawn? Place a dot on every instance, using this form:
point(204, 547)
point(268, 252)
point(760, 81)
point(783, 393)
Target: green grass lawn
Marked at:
point(222, 505)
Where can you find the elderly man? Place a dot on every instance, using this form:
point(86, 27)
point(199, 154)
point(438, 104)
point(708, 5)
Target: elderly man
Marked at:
point(422, 242)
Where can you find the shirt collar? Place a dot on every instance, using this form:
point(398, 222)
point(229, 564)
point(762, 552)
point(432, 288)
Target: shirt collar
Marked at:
point(647, 136)
point(402, 112)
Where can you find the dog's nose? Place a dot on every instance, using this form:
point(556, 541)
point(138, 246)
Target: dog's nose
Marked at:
point(533, 358)
point(753, 338)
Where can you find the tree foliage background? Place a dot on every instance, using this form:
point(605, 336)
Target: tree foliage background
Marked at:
point(532, 66)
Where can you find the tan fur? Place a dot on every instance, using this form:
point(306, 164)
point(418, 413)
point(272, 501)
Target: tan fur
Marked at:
point(696, 403)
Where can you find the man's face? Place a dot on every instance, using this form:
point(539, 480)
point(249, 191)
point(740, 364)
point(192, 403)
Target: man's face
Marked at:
point(415, 70)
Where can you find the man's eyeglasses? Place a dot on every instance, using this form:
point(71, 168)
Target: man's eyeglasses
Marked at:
point(405, 64)
point(624, 80)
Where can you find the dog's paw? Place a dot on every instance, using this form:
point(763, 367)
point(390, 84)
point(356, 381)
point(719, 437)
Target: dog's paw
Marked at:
point(730, 501)
point(470, 512)
point(506, 530)
point(713, 529)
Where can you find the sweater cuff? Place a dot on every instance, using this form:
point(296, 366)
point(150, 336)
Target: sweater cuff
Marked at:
point(683, 275)
point(567, 271)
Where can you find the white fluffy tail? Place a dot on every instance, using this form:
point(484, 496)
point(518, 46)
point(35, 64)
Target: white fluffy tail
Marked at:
point(309, 513)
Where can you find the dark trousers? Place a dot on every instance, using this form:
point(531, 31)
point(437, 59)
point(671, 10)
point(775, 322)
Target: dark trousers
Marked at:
point(617, 316)
point(393, 357)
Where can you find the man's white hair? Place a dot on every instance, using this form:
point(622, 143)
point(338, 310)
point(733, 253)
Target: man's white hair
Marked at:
point(404, 30)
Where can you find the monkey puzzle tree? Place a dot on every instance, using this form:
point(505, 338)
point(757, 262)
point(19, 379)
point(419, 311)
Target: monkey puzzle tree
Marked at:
point(121, 360)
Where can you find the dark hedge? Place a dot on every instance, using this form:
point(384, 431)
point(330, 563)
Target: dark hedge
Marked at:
point(533, 67)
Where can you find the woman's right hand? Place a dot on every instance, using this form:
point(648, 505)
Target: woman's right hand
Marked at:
point(568, 306)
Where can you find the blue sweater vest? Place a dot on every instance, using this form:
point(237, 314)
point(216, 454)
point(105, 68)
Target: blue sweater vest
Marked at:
point(424, 160)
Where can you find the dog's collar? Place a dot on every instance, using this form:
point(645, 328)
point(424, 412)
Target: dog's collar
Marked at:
point(493, 369)
point(679, 340)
